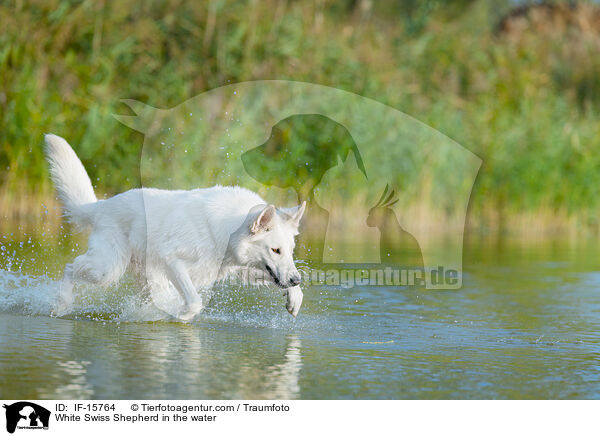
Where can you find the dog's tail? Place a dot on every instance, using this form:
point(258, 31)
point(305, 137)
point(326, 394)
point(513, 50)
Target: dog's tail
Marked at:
point(70, 178)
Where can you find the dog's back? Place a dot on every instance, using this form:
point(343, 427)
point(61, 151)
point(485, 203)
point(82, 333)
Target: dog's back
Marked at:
point(162, 217)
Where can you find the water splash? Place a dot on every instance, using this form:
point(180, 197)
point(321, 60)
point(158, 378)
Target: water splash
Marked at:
point(126, 301)
point(25, 294)
point(29, 285)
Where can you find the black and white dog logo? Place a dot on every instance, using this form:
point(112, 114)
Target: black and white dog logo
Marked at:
point(26, 415)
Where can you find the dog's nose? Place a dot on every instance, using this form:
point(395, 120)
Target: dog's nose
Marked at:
point(295, 280)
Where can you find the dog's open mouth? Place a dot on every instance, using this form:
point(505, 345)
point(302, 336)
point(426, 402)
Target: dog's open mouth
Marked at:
point(275, 278)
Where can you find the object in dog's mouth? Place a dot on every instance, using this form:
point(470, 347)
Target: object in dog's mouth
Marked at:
point(294, 300)
point(294, 294)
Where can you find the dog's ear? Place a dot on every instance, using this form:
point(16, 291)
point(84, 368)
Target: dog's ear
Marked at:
point(261, 223)
point(295, 213)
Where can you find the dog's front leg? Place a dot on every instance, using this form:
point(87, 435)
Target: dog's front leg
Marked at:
point(178, 274)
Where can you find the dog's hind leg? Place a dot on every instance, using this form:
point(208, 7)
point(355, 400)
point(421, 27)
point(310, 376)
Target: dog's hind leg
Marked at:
point(65, 293)
point(104, 263)
point(179, 276)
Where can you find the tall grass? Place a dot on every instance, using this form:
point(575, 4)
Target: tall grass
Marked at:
point(526, 103)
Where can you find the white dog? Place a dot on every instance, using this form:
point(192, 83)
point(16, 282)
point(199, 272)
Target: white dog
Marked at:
point(189, 238)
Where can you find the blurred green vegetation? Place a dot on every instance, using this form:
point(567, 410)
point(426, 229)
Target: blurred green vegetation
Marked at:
point(524, 97)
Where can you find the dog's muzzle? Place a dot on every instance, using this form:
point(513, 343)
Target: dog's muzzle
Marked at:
point(293, 281)
point(274, 276)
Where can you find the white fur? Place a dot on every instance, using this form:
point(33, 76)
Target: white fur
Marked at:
point(190, 239)
point(70, 178)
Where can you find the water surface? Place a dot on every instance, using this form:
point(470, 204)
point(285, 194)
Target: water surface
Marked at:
point(525, 325)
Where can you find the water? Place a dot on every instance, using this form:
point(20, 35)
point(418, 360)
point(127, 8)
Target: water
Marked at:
point(525, 325)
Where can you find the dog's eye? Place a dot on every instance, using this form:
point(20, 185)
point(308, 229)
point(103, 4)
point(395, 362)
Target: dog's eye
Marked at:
point(276, 250)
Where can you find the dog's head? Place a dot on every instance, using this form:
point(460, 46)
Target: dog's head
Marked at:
point(268, 244)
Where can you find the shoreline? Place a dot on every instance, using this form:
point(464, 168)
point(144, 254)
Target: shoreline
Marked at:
point(36, 213)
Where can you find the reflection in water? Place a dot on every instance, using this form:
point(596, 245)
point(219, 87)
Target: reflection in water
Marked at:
point(144, 360)
point(276, 380)
point(78, 385)
point(286, 374)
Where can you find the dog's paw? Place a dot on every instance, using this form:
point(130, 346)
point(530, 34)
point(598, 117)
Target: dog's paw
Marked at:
point(191, 311)
point(62, 307)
